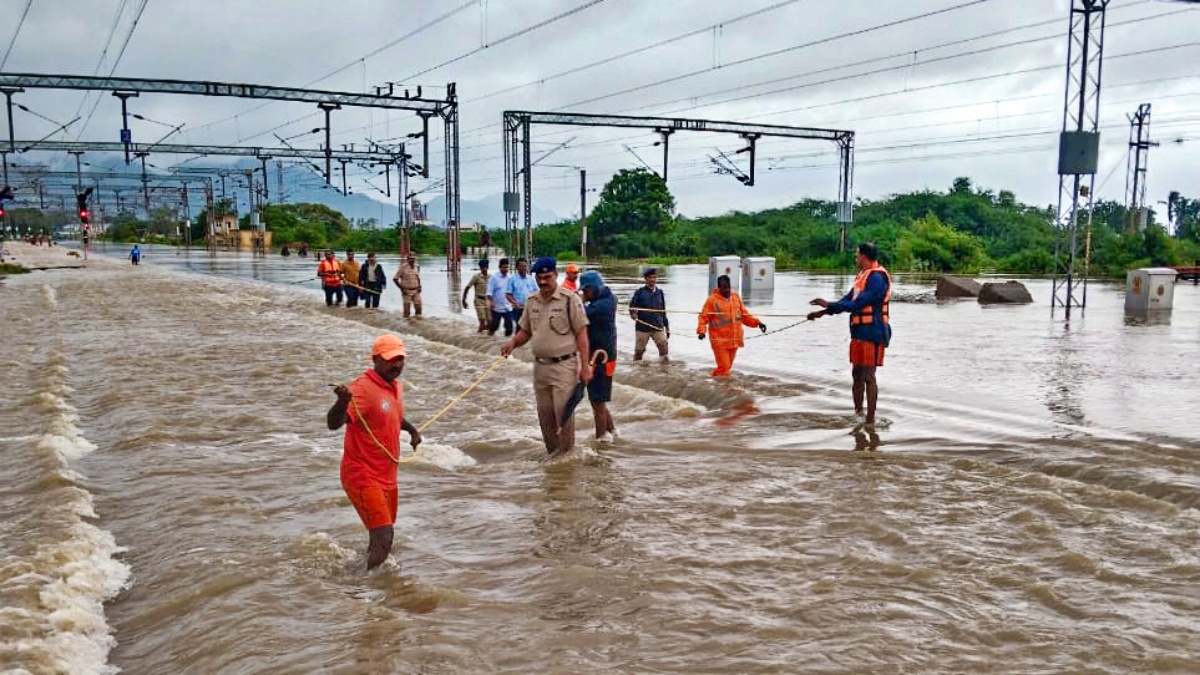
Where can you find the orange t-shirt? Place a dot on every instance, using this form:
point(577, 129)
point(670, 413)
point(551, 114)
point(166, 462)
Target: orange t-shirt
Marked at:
point(364, 463)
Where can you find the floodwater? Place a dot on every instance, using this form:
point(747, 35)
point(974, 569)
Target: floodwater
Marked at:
point(169, 495)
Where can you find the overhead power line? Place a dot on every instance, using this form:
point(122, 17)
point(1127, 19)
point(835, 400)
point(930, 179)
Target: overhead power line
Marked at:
point(374, 52)
point(512, 36)
point(785, 50)
point(13, 41)
point(633, 52)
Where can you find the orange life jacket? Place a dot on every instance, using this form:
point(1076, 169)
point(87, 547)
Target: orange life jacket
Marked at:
point(866, 316)
point(330, 272)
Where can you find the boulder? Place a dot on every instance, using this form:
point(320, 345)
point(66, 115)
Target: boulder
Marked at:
point(949, 286)
point(1009, 292)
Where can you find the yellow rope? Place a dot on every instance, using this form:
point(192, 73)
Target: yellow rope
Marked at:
point(657, 328)
point(426, 423)
point(456, 399)
point(361, 288)
point(683, 311)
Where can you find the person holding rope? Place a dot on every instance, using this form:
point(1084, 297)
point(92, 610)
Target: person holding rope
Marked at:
point(870, 328)
point(652, 325)
point(372, 408)
point(373, 281)
point(601, 311)
point(724, 315)
point(555, 325)
point(329, 271)
point(350, 269)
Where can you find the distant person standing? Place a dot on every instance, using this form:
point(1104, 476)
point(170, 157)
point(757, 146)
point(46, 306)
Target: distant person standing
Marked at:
point(571, 278)
point(650, 325)
point(555, 325)
point(479, 283)
point(372, 278)
point(723, 316)
point(329, 271)
point(408, 280)
point(372, 410)
point(498, 299)
point(520, 286)
point(870, 326)
point(601, 308)
point(135, 254)
point(350, 268)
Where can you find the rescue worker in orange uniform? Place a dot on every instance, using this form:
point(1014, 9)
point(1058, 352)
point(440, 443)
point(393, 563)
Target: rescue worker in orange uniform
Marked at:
point(870, 326)
point(723, 316)
point(570, 282)
point(372, 408)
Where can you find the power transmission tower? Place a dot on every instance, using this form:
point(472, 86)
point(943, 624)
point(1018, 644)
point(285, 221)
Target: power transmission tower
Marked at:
point(1078, 153)
point(1136, 212)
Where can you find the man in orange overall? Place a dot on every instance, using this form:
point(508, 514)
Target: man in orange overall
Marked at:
point(372, 408)
point(870, 328)
point(330, 272)
point(724, 315)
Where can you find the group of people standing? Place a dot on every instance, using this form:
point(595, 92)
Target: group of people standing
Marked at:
point(352, 280)
point(571, 329)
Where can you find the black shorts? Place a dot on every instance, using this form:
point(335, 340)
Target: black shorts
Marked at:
point(600, 388)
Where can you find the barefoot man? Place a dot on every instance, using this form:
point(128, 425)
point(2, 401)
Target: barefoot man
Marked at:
point(372, 408)
point(870, 330)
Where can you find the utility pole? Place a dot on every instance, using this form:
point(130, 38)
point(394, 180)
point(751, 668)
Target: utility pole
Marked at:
point(126, 134)
point(583, 209)
point(12, 143)
point(1136, 213)
point(328, 107)
point(145, 183)
point(78, 171)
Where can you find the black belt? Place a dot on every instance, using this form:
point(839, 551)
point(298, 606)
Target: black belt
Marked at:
point(547, 360)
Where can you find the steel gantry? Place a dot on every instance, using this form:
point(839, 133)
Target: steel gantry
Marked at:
point(518, 180)
point(327, 101)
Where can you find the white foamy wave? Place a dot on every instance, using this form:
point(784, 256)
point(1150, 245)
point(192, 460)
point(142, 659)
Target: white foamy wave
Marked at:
point(444, 456)
point(50, 296)
point(76, 570)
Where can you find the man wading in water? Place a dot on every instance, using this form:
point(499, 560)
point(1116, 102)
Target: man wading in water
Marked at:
point(870, 328)
point(372, 407)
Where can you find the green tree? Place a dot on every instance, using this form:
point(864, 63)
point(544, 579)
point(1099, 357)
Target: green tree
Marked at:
point(635, 203)
point(933, 246)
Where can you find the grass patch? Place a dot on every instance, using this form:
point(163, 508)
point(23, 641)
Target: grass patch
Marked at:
point(9, 268)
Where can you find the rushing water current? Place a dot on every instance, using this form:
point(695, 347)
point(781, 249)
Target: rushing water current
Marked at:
point(170, 503)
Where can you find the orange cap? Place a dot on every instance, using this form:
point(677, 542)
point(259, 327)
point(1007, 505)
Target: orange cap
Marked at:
point(388, 347)
point(572, 268)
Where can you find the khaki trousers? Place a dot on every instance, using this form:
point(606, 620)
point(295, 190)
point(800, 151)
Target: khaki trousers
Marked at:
point(553, 384)
point(641, 338)
point(411, 299)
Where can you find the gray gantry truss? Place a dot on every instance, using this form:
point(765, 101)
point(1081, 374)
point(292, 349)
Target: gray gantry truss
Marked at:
point(327, 101)
point(518, 180)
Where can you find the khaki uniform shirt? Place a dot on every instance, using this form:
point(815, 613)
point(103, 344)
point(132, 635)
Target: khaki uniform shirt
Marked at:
point(480, 284)
point(350, 271)
point(409, 277)
point(553, 323)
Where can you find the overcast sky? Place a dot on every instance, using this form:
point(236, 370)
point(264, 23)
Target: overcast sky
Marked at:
point(975, 90)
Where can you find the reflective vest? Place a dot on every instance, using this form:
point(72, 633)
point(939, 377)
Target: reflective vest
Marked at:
point(330, 272)
point(866, 316)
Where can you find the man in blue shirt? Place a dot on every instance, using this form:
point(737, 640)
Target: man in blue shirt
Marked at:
point(497, 290)
point(650, 325)
point(601, 308)
point(870, 327)
point(520, 286)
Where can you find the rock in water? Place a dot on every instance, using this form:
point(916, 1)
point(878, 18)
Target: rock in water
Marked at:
point(1009, 292)
point(950, 286)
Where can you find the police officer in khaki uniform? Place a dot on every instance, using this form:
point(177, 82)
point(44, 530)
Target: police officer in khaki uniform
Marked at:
point(408, 280)
point(555, 325)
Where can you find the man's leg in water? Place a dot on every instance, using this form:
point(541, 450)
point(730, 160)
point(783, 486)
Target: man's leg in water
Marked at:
point(872, 392)
point(860, 386)
point(380, 546)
